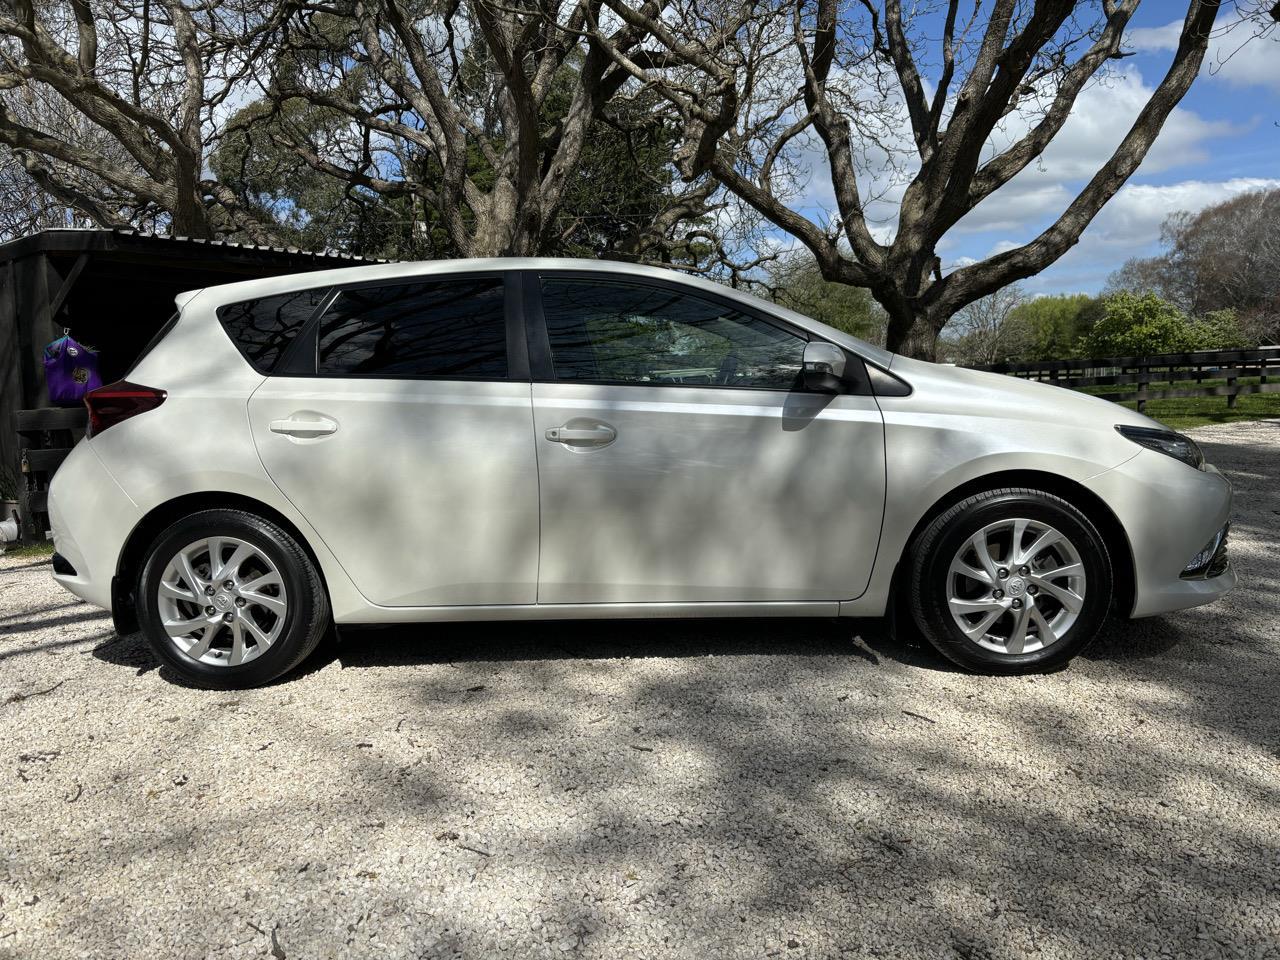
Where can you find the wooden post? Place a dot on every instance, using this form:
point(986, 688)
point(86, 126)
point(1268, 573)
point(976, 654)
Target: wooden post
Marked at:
point(35, 326)
point(1142, 371)
point(1231, 397)
point(10, 378)
point(34, 319)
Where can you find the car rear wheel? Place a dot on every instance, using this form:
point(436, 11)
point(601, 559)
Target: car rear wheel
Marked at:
point(230, 600)
point(1010, 581)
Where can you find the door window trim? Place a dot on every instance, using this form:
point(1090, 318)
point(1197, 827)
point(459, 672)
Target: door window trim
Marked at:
point(302, 359)
point(539, 341)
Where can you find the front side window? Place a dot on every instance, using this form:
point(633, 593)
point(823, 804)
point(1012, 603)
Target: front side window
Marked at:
point(263, 329)
point(635, 333)
point(441, 328)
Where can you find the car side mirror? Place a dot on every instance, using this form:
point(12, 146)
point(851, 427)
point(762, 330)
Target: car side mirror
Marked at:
point(824, 366)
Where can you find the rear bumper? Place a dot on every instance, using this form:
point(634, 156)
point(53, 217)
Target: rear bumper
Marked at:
point(1169, 512)
point(91, 517)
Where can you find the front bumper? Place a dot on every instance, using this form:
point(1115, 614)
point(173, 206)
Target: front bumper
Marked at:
point(1169, 511)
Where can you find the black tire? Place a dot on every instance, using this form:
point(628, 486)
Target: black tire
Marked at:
point(306, 619)
point(935, 548)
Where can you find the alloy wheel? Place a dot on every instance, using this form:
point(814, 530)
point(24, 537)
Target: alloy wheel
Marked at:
point(1016, 586)
point(222, 601)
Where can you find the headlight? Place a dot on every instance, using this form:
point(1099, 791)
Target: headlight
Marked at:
point(1165, 441)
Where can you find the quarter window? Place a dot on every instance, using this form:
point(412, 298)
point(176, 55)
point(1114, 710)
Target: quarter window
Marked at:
point(454, 328)
point(263, 329)
point(636, 333)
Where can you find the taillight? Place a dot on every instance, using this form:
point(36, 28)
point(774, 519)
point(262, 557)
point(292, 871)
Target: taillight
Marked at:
point(117, 402)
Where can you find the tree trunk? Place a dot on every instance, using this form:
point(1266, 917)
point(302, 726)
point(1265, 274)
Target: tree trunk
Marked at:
point(494, 219)
point(913, 329)
point(919, 340)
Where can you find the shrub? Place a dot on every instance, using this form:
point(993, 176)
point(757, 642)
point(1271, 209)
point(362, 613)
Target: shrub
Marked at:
point(1220, 330)
point(1136, 325)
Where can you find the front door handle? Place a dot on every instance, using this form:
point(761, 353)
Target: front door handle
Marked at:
point(297, 427)
point(578, 433)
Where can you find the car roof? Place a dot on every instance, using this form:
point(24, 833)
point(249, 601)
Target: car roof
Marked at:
point(270, 286)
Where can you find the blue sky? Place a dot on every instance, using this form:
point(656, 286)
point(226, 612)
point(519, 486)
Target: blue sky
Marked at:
point(1223, 139)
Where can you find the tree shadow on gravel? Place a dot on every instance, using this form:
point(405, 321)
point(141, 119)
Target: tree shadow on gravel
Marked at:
point(31, 615)
point(729, 787)
point(36, 625)
point(47, 561)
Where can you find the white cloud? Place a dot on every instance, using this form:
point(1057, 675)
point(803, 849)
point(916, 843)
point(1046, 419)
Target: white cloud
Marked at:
point(1134, 215)
point(1129, 226)
point(1242, 53)
point(1100, 119)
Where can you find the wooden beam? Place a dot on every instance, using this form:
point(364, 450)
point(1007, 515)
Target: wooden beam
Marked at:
point(35, 326)
point(10, 377)
point(45, 461)
point(52, 418)
point(64, 288)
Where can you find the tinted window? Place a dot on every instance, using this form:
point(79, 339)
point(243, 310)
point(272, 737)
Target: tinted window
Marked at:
point(633, 333)
point(263, 329)
point(454, 328)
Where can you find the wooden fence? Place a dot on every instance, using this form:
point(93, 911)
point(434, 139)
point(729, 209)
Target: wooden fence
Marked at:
point(1174, 369)
point(46, 436)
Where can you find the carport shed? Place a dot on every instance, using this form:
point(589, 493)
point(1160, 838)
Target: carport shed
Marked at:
point(111, 289)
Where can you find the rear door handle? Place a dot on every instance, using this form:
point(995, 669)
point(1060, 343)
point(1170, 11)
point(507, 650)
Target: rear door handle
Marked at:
point(297, 427)
point(594, 434)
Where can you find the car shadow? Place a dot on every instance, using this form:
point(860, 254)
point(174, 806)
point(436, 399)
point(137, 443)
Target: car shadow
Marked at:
point(427, 643)
point(874, 640)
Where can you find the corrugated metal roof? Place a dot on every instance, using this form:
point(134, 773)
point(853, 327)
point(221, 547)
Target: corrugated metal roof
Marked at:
point(80, 238)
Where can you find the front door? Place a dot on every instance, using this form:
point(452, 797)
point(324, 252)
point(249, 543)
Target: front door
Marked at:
point(410, 448)
point(679, 461)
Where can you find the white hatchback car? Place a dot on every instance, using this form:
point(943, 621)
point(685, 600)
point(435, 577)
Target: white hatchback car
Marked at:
point(508, 439)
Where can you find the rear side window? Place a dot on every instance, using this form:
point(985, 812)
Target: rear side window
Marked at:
point(452, 328)
point(263, 329)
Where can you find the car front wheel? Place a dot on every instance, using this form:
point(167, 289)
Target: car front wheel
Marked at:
point(1010, 581)
point(229, 600)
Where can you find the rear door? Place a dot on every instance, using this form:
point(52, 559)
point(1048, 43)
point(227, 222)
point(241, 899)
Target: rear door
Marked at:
point(405, 438)
point(681, 461)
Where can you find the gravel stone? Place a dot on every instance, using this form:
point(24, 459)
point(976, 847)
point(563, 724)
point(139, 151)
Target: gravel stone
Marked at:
point(713, 789)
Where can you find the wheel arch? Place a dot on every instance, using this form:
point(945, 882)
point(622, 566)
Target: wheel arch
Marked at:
point(160, 517)
point(1075, 493)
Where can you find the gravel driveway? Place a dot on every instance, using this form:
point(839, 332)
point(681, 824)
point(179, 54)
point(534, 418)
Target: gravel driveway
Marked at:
point(793, 789)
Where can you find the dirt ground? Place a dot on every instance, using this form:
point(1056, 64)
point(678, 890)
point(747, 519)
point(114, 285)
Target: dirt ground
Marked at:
point(713, 789)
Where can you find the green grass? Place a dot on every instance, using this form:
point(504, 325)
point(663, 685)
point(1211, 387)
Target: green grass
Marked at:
point(33, 551)
point(1186, 412)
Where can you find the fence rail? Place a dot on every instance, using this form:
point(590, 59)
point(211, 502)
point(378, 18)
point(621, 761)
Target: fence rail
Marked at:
point(45, 437)
point(1233, 366)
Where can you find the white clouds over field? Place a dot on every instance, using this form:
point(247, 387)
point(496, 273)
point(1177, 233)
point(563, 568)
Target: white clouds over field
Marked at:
point(1130, 224)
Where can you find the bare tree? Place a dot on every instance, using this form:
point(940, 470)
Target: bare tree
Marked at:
point(29, 199)
point(757, 83)
point(111, 106)
point(981, 332)
point(1226, 257)
point(477, 111)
